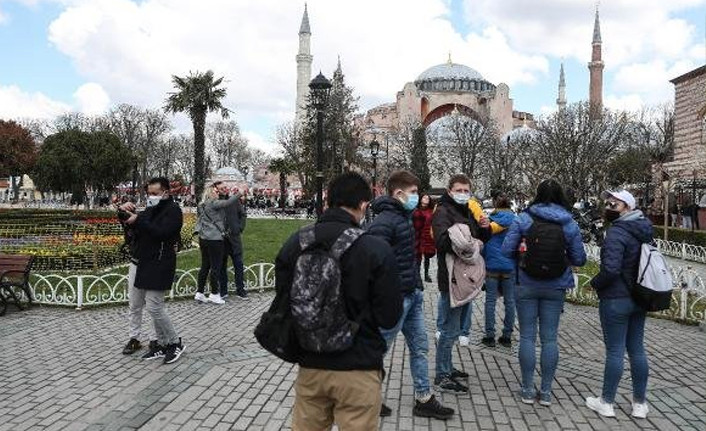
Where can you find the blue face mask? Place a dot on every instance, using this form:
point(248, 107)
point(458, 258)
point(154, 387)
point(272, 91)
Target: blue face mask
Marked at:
point(411, 203)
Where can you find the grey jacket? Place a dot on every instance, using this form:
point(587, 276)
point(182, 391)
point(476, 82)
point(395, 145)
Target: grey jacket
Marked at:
point(211, 224)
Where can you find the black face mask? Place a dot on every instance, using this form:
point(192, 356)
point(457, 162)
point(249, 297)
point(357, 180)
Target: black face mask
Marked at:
point(611, 215)
point(223, 197)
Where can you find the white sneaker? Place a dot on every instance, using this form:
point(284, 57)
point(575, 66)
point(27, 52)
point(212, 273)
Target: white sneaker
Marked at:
point(601, 407)
point(216, 298)
point(640, 410)
point(463, 341)
point(437, 335)
point(200, 297)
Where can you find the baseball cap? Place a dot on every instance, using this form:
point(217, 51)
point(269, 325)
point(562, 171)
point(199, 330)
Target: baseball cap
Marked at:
point(621, 195)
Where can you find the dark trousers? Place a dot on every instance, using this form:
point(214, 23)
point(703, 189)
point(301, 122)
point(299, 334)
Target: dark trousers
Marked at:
point(235, 251)
point(427, 259)
point(212, 256)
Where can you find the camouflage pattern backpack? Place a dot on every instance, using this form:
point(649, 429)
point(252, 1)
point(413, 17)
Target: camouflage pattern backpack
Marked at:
point(316, 300)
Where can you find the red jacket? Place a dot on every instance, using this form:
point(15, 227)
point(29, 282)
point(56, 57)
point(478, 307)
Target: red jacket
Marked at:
point(424, 243)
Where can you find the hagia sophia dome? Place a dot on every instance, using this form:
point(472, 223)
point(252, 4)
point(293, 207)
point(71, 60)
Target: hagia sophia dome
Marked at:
point(451, 76)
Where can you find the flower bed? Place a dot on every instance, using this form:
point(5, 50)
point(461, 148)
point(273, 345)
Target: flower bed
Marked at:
point(65, 240)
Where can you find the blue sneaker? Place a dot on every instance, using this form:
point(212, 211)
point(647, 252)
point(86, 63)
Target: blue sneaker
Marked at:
point(545, 399)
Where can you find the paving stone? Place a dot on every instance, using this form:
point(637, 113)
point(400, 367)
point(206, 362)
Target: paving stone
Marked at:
point(226, 381)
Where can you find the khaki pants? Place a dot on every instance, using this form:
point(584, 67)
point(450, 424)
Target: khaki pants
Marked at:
point(351, 399)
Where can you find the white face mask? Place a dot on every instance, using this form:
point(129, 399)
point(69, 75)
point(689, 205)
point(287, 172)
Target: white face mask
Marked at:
point(461, 198)
point(153, 200)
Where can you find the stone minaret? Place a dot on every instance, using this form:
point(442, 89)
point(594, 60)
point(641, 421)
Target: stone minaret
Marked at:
point(596, 69)
point(561, 99)
point(304, 59)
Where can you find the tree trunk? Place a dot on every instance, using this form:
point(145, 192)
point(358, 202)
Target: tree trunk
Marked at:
point(199, 122)
point(282, 189)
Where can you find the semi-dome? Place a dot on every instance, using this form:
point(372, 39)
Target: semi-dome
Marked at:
point(520, 133)
point(452, 77)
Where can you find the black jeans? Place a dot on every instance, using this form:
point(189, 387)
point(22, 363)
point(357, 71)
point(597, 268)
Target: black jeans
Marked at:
point(235, 251)
point(212, 253)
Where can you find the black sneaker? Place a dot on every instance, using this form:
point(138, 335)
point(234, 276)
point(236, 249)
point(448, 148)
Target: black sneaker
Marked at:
point(385, 411)
point(173, 351)
point(505, 341)
point(427, 279)
point(242, 294)
point(488, 341)
point(132, 346)
point(432, 409)
point(447, 384)
point(458, 374)
point(156, 351)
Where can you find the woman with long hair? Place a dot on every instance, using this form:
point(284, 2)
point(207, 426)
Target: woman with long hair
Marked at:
point(544, 275)
point(211, 228)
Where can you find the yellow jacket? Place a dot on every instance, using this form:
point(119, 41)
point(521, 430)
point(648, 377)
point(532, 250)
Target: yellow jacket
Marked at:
point(477, 210)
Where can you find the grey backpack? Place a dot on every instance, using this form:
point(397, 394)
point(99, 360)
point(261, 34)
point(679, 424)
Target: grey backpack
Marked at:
point(316, 300)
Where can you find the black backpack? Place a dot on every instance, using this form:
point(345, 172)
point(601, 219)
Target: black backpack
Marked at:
point(310, 315)
point(545, 257)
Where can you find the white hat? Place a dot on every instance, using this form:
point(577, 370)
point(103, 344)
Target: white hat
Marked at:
point(621, 195)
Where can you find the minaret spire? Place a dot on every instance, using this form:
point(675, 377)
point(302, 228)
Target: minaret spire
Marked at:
point(595, 68)
point(561, 99)
point(304, 59)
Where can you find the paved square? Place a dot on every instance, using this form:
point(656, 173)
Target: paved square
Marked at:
point(63, 370)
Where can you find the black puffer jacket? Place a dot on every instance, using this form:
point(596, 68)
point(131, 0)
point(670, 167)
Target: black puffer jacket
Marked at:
point(393, 224)
point(370, 287)
point(157, 232)
point(447, 214)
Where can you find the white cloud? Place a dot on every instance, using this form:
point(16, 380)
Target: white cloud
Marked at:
point(629, 102)
point(257, 141)
point(92, 99)
point(16, 104)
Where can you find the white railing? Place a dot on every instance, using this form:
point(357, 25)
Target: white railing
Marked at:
point(690, 252)
point(112, 288)
point(688, 298)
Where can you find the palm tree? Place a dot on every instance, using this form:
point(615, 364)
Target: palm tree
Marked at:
point(283, 167)
point(197, 95)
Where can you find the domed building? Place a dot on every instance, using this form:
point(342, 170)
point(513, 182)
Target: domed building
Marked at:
point(442, 89)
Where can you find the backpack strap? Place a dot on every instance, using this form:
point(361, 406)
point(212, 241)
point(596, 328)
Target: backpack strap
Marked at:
point(343, 243)
point(307, 236)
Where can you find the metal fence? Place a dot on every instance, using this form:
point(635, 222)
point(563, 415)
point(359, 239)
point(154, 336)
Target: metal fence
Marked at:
point(681, 250)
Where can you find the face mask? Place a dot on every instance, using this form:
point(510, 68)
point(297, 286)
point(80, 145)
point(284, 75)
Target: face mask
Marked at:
point(611, 215)
point(461, 198)
point(411, 202)
point(153, 200)
point(224, 196)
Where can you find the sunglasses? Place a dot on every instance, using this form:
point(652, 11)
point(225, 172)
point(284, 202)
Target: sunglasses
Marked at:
point(612, 205)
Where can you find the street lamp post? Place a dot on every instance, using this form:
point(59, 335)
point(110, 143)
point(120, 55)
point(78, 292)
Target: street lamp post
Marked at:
point(320, 87)
point(374, 151)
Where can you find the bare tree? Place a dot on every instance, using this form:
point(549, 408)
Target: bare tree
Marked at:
point(227, 145)
point(288, 137)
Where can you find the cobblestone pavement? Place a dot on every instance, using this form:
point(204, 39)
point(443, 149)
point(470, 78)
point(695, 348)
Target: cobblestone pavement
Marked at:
point(63, 370)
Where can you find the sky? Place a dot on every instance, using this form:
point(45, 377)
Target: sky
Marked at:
point(89, 55)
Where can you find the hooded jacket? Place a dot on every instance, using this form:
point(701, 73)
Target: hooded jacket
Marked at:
point(620, 255)
point(370, 289)
point(393, 224)
point(447, 214)
point(494, 259)
point(572, 238)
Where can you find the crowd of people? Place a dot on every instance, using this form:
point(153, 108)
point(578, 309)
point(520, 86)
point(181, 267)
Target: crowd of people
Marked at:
point(350, 285)
point(528, 259)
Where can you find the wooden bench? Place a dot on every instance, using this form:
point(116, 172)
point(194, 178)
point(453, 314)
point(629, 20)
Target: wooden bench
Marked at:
point(14, 273)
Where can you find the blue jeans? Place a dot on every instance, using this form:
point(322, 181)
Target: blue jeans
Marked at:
point(493, 283)
point(545, 306)
point(450, 330)
point(415, 334)
point(623, 324)
point(466, 318)
point(236, 255)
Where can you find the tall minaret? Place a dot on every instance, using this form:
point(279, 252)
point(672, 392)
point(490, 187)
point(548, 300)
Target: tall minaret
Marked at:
point(595, 67)
point(561, 99)
point(304, 59)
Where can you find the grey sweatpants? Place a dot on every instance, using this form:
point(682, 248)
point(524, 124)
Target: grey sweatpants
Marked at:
point(154, 300)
